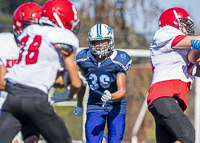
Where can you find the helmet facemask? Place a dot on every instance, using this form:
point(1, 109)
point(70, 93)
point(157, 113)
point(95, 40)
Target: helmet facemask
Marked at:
point(186, 23)
point(104, 50)
point(47, 21)
point(75, 26)
point(22, 24)
point(183, 21)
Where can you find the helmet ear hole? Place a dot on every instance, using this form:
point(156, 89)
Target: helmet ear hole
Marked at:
point(18, 23)
point(92, 42)
point(175, 23)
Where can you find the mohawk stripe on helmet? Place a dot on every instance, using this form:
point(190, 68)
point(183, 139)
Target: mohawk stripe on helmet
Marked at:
point(58, 20)
point(99, 30)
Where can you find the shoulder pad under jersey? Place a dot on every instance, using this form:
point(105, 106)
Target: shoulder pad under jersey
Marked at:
point(122, 59)
point(82, 54)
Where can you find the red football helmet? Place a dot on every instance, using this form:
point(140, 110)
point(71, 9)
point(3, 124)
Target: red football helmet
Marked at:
point(175, 17)
point(26, 14)
point(62, 13)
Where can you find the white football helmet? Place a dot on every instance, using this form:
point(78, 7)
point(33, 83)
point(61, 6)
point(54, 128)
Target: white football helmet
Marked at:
point(101, 32)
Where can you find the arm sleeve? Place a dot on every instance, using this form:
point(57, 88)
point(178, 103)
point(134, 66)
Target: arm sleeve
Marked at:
point(81, 57)
point(177, 39)
point(1, 62)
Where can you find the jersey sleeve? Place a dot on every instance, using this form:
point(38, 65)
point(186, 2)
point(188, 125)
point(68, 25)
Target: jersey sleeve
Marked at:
point(165, 36)
point(65, 40)
point(81, 57)
point(123, 62)
point(1, 62)
point(6, 44)
point(177, 39)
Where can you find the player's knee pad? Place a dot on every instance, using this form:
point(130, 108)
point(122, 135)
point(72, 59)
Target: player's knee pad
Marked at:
point(188, 136)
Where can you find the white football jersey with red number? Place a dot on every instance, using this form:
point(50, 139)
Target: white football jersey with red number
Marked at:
point(168, 63)
point(40, 61)
point(9, 53)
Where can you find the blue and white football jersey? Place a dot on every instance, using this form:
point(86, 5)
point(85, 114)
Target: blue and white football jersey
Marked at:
point(102, 76)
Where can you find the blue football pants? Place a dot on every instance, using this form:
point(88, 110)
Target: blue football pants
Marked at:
point(95, 126)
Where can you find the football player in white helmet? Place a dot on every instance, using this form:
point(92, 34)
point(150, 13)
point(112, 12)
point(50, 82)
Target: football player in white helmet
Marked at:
point(105, 71)
point(101, 33)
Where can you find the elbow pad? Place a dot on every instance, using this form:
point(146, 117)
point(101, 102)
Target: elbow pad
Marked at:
point(64, 48)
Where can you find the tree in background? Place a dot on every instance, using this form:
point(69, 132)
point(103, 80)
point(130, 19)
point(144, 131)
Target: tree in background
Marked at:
point(121, 16)
point(7, 9)
point(121, 12)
